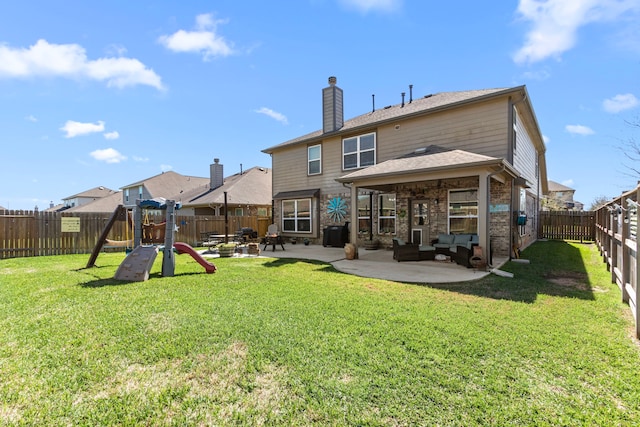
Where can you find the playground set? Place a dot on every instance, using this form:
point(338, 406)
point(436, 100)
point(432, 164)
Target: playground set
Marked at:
point(147, 241)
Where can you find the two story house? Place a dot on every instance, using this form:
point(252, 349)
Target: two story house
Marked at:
point(452, 162)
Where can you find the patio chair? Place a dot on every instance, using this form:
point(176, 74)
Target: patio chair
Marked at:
point(403, 251)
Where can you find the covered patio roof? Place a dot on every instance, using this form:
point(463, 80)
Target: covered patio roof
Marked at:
point(432, 162)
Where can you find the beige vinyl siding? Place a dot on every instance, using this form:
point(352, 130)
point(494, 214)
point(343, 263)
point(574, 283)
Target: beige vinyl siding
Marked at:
point(480, 128)
point(524, 156)
point(290, 168)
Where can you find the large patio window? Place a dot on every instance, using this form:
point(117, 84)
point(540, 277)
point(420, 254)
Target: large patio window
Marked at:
point(296, 215)
point(463, 211)
point(387, 213)
point(359, 151)
point(364, 214)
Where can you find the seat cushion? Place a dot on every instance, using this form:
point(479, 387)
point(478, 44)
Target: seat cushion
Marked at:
point(400, 242)
point(425, 248)
point(447, 239)
point(461, 239)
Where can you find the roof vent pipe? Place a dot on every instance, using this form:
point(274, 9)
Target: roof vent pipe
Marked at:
point(373, 102)
point(410, 93)
point(402, 98)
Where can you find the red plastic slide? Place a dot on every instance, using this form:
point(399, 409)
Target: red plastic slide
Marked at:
point(183, 248)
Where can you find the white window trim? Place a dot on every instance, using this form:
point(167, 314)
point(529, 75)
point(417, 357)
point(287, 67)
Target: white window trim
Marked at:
point(296, 218)
point(449, 216)
point(367, 217)
point(358, 151)
point(394, 216)
point(309, 160)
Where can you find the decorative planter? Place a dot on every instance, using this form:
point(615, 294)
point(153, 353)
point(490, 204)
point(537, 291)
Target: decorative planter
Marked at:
point(371, 244)
point(226, 250)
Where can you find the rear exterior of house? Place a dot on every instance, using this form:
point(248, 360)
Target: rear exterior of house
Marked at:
point(456, 162)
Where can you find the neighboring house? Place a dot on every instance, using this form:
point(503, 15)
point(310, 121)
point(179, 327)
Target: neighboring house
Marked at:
point(248, 193)
point(560, 198)
point(453, 162)
point(105, 204)
point(167, 185)
point(85, 197)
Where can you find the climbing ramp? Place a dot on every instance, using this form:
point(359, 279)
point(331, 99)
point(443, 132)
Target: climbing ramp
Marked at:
point(137, 265)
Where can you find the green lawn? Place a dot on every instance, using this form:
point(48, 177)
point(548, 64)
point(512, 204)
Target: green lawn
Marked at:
point(288, 342)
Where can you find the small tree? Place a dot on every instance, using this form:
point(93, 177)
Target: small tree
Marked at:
point(597, 202)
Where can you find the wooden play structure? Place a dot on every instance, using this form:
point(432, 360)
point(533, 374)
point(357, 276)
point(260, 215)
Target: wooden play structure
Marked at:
point(148, 240)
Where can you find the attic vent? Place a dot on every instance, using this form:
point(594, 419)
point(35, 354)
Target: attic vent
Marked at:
point(387, 107)
point(420, 150)
point(428, 96)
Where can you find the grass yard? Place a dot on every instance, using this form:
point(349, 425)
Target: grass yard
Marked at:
point(288, 342)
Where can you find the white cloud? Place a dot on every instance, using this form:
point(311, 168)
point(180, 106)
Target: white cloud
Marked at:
point(165, 168)
point(555, 24)
point(273, 114)
point(546, 140)
point(373, 5)
point(567, 182)
point(140, 159)
point(70, 61)
point(579, 130)
point(112, 135)
point(31, 118)
point(74, 129)
point(108, 155)
point(620, 103)
point(203, 40)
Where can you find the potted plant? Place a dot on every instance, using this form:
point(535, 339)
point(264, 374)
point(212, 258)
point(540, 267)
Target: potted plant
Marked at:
point(226, 249)
point(306, 241)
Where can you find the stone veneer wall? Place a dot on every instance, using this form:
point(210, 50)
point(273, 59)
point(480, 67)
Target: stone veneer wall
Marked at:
point(500, 222)
point(436, 194)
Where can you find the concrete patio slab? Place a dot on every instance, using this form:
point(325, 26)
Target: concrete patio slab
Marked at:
point(380, 264)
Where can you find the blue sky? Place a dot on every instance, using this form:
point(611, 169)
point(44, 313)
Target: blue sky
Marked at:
point(109, 93)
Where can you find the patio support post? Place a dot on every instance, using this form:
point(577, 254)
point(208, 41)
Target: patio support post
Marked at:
point(483, 214)
point(353, 233)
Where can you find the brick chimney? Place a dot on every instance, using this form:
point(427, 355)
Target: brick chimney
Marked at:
point(332, 108)
point(217, 174)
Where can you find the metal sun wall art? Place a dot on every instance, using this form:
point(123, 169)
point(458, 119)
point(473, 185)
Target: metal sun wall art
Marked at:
point(337, 209)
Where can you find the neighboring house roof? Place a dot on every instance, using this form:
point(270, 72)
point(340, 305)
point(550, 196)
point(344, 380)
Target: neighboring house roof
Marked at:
point(555, 186)
point(3, 209)
point(429, 159)
point(419, 106)
point(169, 183)
point(103, 204)
point(251, 187)
point(94, 192)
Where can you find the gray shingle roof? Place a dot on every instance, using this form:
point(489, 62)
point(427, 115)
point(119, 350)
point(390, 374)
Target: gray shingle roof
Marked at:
point(556, 186)
point(94, 192)
point(428, 159)
point(169, 183)
point(251, 187)
point(418, 106)
point(103, 204)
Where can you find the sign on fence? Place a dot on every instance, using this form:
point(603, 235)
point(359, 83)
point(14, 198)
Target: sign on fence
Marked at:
point(70, 224)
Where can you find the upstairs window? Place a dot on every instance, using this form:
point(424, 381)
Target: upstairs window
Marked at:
point(359, 151)
point(314, 159)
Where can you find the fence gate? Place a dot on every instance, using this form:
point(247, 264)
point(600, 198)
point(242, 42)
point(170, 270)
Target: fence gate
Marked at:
point(567, 225)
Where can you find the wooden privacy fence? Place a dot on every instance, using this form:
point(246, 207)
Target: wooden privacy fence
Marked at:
point(617, 239)
point(567, 225)
point(34, 233)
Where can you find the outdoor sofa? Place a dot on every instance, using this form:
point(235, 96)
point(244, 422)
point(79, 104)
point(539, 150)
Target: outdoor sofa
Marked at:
point(405, 251)
point(458, 246)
